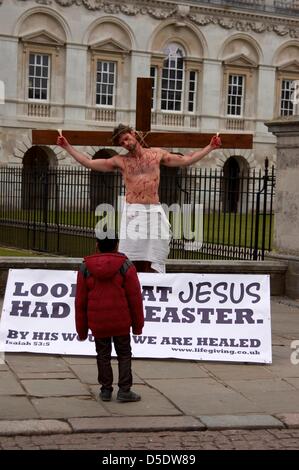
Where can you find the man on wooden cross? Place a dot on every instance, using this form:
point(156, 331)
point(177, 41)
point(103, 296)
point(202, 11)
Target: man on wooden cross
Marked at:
point(140, 169)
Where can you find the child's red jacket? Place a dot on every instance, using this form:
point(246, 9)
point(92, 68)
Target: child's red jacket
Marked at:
point(108, 300)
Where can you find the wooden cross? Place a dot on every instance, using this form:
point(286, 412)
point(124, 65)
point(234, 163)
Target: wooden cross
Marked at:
point(143, 124)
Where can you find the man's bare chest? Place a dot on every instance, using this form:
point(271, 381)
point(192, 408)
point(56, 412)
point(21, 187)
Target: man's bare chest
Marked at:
point(147, 164)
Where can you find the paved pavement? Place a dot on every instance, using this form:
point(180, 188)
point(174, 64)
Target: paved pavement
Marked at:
point(43, 396)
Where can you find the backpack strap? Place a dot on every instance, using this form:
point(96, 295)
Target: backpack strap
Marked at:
point(83, 269)
point(124, 267)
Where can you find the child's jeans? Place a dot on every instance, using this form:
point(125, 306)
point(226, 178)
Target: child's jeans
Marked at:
point(122, 345)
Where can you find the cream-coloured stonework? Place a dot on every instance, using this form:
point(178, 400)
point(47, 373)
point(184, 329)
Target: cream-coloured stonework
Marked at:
point(216, 41)
point(55, 153)
point(201, 14)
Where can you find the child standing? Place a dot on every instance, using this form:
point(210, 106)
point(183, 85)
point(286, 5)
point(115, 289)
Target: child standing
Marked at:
point(109, 302)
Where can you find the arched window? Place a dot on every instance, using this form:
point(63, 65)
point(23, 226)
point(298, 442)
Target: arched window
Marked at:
point(172, 83)
point(175, 83)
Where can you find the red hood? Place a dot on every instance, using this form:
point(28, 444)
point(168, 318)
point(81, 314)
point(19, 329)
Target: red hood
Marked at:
point(104, 265)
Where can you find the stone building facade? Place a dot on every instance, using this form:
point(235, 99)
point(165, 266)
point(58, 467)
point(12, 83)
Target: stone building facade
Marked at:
point(216, 65)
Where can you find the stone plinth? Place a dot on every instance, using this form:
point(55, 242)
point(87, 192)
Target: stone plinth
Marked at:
point(286, 239)
point(287, 185)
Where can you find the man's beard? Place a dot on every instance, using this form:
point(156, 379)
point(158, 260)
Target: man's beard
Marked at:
point(132, 147)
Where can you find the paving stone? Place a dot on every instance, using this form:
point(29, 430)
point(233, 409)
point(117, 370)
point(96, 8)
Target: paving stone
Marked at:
point(168, 369)
point(286, 319)
point(275, 403)
point(239, 371)
point(80, 359)
point(46, 375)
point(259, 385)
point(278, 340)
point(152, 403)
point(9, 385)
point(284, 369)
point(33, 426)
point(87, 373)
point(70, 407)
point(282, 351)
point(293, 381)
point(290, 420)
point(25, 363)
point(205, 396)
point(130, 424)
point(12, 407)
point(249, 421)
point(55, 387)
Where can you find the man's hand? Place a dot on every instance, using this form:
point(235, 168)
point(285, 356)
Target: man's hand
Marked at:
point(215, 142)
point(62, 142)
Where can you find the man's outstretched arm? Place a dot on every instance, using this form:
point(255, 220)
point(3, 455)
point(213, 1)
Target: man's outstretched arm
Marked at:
point(169, 159)
point(109, 164)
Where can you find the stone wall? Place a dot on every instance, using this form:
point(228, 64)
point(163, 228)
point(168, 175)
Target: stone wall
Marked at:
point(276, 269)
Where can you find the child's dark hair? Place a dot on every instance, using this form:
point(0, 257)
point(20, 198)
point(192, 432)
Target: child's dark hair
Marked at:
point(107, 242)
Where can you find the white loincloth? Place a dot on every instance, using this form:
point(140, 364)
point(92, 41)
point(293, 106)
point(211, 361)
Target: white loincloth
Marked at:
point(145, 234)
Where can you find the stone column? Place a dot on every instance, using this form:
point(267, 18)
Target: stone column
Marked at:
point(211, 106)
point(265, 97)
point(140, 67)
point(9, 75)
point(75, 90)
point(287, 198)
point(8, 97)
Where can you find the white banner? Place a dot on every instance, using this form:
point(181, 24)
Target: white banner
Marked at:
point(216, 317)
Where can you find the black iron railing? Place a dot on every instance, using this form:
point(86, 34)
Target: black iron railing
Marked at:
point(215, 214)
